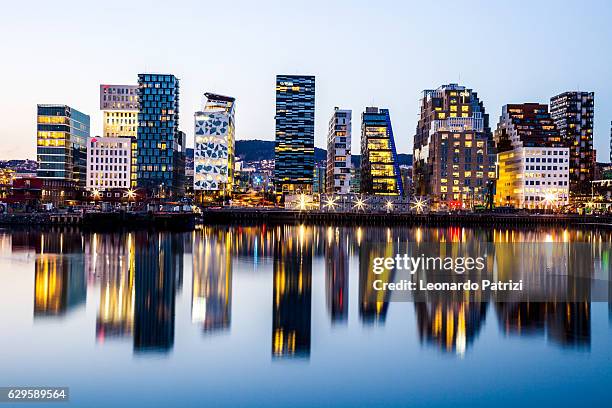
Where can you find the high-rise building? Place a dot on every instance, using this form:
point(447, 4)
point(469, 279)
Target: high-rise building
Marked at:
point(380, 174)
point(533, 168)
point(294, 146)
point(119, 106)
point(339, 152)
point(62, 134)
point(160, 151)
point(214, 146)
point(454, 155)
point(573, 115)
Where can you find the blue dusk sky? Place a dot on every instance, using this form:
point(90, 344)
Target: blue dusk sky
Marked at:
point(363, 53)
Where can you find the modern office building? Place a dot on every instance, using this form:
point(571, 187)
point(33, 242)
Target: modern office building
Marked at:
point(573, 115)
point(454, 155)
point(160, 145)
point(109, 163)
point(294, 135)
point(319, 178)
point(339, 152)
point(380, 174)
point(119, 106)
point(62, 134)
point(533, 164)
point(214, 146)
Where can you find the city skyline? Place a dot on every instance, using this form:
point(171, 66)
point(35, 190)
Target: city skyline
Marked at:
point(355, 84)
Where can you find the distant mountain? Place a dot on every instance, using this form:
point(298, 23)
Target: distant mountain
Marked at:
point(256, 150)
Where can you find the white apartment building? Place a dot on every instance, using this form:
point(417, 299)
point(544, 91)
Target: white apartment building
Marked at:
point(338, 171)
point(533, 177)
point(119, 104)
point(109, 163)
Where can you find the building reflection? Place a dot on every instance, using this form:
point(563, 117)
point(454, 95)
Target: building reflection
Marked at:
point(292, 293)
point(450, 326)
point(59, 277)
point(212, 279)
point(155, 291)
point(373, 304)
point(336, 274)
point(111, 261)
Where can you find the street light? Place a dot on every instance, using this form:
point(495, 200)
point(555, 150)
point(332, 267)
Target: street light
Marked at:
point(389, 205)
point(418, 204)
point(360, 204)
point(330, 203)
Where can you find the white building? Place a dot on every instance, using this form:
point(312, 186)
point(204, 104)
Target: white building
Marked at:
point(214, 145)
point(534, 177)
point(338, 172)
point(108, 163)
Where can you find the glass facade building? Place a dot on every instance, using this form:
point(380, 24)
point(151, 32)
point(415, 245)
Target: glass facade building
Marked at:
point(338, 177)
point(160, 145)
point(380, 174)
point(214, 145)
point(294, 146)
point(62, 134)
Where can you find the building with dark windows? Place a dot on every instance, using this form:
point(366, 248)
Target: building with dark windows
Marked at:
point(62, 134)
point(294, 135)
point(573, 115)
point(454, 155)
point(338, 176)
point(160, 144)
point(380, 174)
point(533, 164)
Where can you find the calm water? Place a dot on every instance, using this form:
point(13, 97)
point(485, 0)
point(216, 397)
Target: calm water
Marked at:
point(283, 316)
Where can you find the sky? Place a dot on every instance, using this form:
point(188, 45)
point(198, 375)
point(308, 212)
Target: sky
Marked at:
point(363, 53)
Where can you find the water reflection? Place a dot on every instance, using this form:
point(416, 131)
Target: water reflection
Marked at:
point(139, 275)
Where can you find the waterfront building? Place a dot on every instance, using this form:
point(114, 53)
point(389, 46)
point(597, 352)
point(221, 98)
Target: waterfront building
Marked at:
point(62, 134)
point(406, 173)
point(573, 114)
point(380, 174)
point(119, 106)
point(160, 144)
point(454, 156)
point(339, 152)
point(319, 178)
point(294, 134)
point(214, 147)
point(355, 181)
point(533, 164)
point(109, 163)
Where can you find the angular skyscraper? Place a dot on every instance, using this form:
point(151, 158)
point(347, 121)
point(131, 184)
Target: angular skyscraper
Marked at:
point(533, 161)
point(573, 115)
point(454, 155)
point(214, 146)
point(339, 153)
point(161, 155)
point(294, 146)
point(62, 134)
point(380, 174)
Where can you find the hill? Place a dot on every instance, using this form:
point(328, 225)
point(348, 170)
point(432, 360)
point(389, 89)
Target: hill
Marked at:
point(256, 150)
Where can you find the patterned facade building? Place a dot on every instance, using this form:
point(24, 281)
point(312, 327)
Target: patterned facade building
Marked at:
point(573, 115)
point(533, 162)
point(454, 154)
point(338, 175)
point(294, 135)
point(214, 146)
point(119, 106)
point(160, 144)
point(380, 173)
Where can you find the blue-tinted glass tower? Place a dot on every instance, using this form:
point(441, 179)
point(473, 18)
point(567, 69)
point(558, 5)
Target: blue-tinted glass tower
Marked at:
point(294, 146)
point(62, 134)
point(160, 158)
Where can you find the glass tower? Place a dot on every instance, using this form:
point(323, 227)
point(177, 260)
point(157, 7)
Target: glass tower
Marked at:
point(62, 134)
point(380, 174)
point(161, 156)
point(294, 147)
